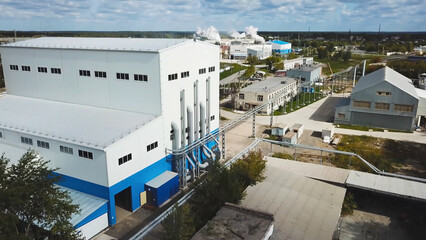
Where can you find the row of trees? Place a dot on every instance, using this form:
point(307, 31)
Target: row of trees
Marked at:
point(220, 185)
point(325, 53)
point(31, 205)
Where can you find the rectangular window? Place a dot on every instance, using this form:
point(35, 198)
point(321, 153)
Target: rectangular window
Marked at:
point(341, 115)
point(55, 70)
point(84, 73)
point(260, 98)
point(212, 118)
point(241, 96)
point(42, 69)
point(100, 74)
point(1, 135)
point(26, 68)
point(381, 106)
point(66, 150)
point(151, 146)
point(26, 140)
point(362, 104)
point(184, 74)
point(211, 69)
point(201, 70)
point(173, 76)
point(141, 77)
point(123, 76)
point(43, 144)
point(125, 159)
point(14, 67)
point(403, 108)
point(380, 93)
point(85, 154)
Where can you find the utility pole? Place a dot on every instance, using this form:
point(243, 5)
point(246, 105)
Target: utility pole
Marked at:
point(353, 85)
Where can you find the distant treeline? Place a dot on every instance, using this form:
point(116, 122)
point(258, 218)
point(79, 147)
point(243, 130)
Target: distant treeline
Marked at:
point(291, 36)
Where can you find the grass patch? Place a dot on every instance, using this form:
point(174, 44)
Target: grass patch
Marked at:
point(386, 154)
point(283, 155)
point(234, 69)
point(367, 129)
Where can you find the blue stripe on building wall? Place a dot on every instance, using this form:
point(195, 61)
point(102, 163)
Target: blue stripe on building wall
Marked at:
point(136, 182)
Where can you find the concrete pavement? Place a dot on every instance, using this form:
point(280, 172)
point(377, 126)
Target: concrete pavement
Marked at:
point(315, 116)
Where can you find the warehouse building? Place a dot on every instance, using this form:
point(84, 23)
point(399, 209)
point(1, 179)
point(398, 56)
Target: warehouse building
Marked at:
point(260, 51)
point(384, 99)
point(294, 63)
point(104, 111)
point(280, 47)
point(258, 93)
point(308, 74)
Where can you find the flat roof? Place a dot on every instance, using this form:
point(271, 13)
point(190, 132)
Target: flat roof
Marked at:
point(113, 44)
point(231, 219)
point(161, 179)
point(279, 42)
point(303, 208)
point(289, 134)
point(315, 171)
point(387, 185)
point(280, 125)
point(89, 126)
point(269, 85)
point(305, 68)
point(297, 126)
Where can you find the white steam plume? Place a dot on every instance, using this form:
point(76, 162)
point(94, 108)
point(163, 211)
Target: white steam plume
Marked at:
point(210, 33)
point(252, 31)
point(236, 34)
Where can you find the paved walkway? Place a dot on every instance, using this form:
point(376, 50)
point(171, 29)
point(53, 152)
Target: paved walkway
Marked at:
point(314, 117)
point(232, 78)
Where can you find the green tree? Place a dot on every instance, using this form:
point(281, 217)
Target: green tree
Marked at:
point(179, 224)
point(252, 60)
point(291, 55)
point(250, 169)
point(322, 53)
point(347, 56)
point(31, 205)
point(249, 72)
point(220, 186)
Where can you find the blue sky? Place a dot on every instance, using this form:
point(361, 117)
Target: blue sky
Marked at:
point(225, 15)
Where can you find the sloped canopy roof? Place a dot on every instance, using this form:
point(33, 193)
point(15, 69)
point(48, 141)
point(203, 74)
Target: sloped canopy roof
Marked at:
point(389, 75)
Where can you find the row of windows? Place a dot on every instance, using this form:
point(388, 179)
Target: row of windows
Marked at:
point(125, 159)
point(85, 154)
point(67, 150)
point(151, 146)
point(86, 73)
point(384, 106)
point(185, 74)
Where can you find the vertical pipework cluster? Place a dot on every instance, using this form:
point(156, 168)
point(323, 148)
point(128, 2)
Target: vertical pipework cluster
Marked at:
point(194, 121)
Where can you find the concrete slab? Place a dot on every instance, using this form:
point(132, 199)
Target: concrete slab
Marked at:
point(303, 208)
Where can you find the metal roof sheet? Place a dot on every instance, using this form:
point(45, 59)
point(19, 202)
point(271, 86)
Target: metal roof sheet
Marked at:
point(280, 42)
point(94, 127)
point(87, 204)
point(161, 179)
point(117, 44)
point(388, 185)
point(270, 85)
point(389, 75)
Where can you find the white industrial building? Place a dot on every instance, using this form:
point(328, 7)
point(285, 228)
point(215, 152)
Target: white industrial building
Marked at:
point(260, 51)
point(105, 110)
point(293, 63)
point(258, 93)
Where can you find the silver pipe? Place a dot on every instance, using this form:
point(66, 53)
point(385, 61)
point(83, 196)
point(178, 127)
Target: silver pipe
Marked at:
point(182, 119)
point(208, 105)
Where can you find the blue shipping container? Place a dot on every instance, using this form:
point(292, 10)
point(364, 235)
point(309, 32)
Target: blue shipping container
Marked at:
point(162, 188)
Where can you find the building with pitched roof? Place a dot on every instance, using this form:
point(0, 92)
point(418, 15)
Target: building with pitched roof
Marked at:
point(384, 99)
point(105, 111)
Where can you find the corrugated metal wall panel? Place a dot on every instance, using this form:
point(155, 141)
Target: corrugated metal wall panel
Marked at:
point(382, 121)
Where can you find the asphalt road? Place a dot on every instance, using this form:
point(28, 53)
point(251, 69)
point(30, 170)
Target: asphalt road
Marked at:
point(314, 117)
